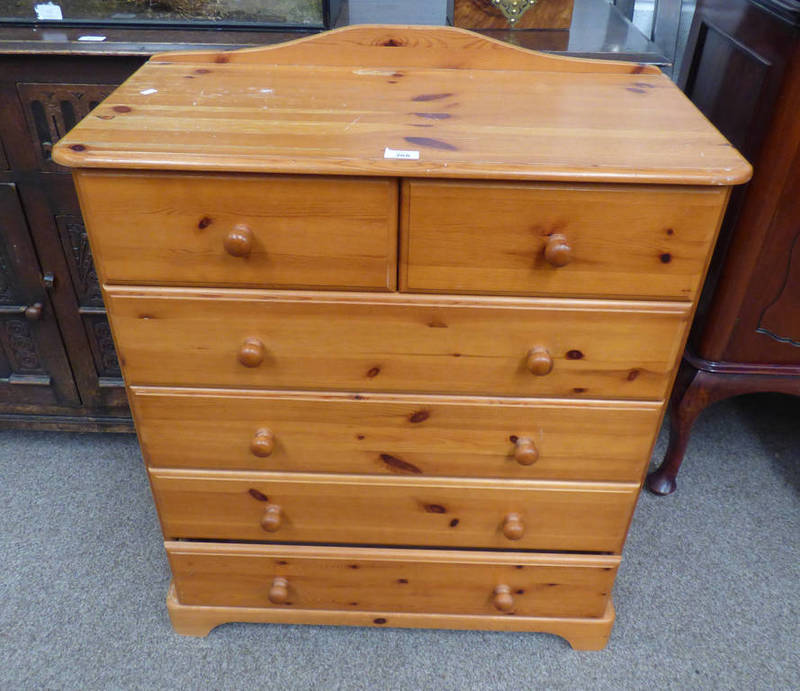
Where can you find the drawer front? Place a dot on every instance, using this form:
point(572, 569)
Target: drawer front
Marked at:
point(294, 507)
point(242, 230)
point(615, 241)
point(396, 343)
point(399, 580)
point(394, 434)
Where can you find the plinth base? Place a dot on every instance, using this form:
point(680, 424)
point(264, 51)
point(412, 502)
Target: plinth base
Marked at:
point(198, 620)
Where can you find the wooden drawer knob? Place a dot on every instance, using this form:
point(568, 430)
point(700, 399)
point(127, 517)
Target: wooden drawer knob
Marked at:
point(262, 443)
point(513, 527)
point(251, 352)
point(279, 591)
point(525, 453)
point(502, 598)
point(272, 518)
point(557, 252)
point(239, 241)
point(539, 361)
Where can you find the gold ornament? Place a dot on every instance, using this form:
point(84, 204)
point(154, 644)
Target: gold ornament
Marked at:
point(513, 9)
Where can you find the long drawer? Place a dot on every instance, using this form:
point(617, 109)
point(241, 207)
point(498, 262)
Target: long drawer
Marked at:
point(246, 230)
point(398, 580)
point(557, 239)
point(394, 434)
point(364, 342)
point(295, 507)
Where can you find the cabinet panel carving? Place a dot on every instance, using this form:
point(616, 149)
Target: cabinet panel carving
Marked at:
point(105, 355)
point(20, 347)
point(6, 279)
point(79, 257)
point(52, 110)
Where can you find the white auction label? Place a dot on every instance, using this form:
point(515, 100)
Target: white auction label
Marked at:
point(394, 153)
point(48, 10)
point(91, 38)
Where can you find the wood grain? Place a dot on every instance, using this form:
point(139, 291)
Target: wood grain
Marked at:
point(363, 509)
point(411, 46)
point(625, 241)
point(394, 342)
point(582, 634)
point(547, 118)
point(394, 434)
point(402, 580)
point(308, 232)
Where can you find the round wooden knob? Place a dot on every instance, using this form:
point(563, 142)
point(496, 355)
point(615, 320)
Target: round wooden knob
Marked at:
point(239, 241)
point(271, 520)
point(251, 352)
point(557, 251)
point(513, 527)
point(502, 598)
point(525, 452)
point(279, 591)
point(33, 313)
point(262, 443)
point(539, 361)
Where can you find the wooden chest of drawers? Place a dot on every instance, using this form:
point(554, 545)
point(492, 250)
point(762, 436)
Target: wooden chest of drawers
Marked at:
point(398, 310)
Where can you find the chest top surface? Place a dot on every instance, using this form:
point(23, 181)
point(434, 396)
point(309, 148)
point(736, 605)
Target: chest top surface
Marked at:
point(469, 106)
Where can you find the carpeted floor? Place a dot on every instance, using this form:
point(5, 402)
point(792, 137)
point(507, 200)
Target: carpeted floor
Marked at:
point(708, 595)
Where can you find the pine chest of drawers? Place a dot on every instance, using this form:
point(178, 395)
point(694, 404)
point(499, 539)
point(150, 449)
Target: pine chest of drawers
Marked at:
point(398, 310)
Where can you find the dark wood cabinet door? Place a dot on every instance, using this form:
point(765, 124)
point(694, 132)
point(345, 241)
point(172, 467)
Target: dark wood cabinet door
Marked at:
point(61, 242)
point(106, 378)
point(33, 363)
point(50, 109)
point(767, 329)
point(743, 71)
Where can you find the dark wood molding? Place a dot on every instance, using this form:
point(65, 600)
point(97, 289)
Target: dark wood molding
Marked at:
point(66, 423)
point(718, 367)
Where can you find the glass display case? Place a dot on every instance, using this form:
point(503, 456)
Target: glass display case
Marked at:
point(251, 14)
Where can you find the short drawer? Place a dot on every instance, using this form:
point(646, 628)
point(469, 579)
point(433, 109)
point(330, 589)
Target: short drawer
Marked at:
point(295, 507)
point(395, 434)
point(396, 580)
point(569, 240)
point(354, 342)
point(242, 230)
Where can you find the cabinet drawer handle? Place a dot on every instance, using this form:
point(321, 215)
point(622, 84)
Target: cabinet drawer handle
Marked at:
point(525, 453)
point(33, 313)
point(272, 518)
point(279, 591)
point(539, 361)
point(239, 241)
point(262, 443)
point(557, 252)
point(513, 527)
point(251, 352)
point(502, 598)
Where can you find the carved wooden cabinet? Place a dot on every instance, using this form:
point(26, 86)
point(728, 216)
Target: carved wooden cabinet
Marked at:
point(398, 309)
point(58, 365)
point(742, 69)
